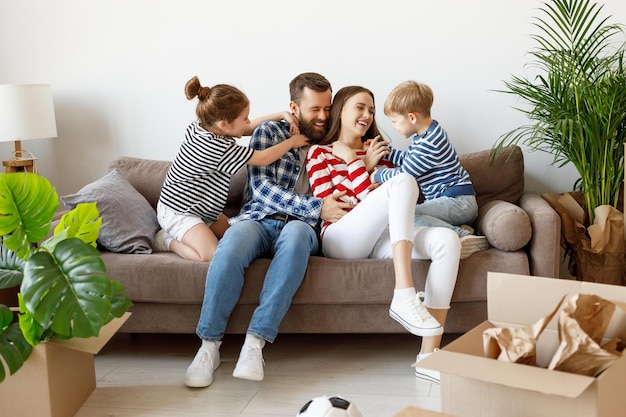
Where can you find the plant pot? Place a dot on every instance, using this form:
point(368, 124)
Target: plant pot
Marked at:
point(596, 252)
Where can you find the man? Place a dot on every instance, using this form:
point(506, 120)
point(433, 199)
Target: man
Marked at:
point(278, 219)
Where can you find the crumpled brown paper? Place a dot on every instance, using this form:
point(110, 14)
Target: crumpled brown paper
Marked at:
point(596, 251)
point(516, 345)
point(582, 324)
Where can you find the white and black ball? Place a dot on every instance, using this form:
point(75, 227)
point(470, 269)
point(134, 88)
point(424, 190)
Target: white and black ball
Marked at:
point(329, 406)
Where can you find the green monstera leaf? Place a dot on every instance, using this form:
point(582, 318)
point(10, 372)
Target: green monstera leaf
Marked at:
point(68, 290)
point(14, 348)
point(65, 291)
point(27, 205)
point(82, 222)
point(11, 267)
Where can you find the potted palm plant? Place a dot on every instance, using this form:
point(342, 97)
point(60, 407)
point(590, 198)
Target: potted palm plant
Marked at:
point(64, 288)
point(576, 111)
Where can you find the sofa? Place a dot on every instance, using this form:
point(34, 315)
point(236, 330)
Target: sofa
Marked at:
point(336, 296)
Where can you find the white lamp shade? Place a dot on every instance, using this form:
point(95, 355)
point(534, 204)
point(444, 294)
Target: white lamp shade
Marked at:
point(26, 112)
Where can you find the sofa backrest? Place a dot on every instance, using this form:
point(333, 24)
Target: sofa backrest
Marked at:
point(146, 175)
point(500, 179)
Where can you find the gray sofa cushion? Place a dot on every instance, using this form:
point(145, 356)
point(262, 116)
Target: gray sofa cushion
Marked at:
point(129, 223)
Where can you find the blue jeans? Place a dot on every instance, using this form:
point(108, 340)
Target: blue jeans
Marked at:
point(290, 244)
point(449, 212)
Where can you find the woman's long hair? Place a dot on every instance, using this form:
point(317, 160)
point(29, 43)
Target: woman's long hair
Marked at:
point(335, 114)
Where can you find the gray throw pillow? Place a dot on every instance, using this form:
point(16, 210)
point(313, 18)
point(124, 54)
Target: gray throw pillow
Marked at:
point(505, 225)
point(129, 222)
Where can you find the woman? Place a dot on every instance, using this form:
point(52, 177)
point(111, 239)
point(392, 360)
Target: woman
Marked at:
point(381, 223)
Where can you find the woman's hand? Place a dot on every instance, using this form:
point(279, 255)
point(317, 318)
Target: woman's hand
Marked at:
point(375, 150)
point(294, 125)
point(344, 152)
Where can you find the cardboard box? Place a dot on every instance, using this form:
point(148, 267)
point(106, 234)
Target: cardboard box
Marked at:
point(57, 378)
point(472, 385)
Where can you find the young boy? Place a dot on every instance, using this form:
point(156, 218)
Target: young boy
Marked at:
point(450, 199)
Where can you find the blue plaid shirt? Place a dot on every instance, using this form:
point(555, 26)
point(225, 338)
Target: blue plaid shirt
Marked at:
point(270, 189)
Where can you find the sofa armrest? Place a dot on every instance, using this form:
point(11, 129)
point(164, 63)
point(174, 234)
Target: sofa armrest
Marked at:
point(544, 248)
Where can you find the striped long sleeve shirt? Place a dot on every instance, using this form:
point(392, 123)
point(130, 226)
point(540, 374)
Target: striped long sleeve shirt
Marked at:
point(434, 162)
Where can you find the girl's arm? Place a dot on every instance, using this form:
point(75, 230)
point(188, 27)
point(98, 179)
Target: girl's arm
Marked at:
point(276, 117)
point(271, 154)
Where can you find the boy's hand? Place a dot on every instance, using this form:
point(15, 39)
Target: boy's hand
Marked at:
point(373, 182)
point(375, 150)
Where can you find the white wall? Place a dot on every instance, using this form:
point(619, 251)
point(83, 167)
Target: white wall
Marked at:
point(118, 67)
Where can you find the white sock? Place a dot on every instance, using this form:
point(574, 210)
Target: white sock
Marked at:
point(254, 340)
point(421, 355)
point(404, 294)
point(168, 240)
point(209, 344)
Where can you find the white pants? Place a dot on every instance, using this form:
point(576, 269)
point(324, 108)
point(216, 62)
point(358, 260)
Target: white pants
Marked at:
point(443, 247)
point(384, 218)
point(389, 207)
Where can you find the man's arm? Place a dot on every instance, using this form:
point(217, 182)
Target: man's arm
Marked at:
point(333, 209)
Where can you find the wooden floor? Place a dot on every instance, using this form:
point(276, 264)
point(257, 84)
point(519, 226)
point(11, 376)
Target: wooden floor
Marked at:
point(142, 375)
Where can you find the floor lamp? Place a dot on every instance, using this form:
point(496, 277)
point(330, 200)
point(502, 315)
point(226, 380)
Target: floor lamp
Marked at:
point(26, 112)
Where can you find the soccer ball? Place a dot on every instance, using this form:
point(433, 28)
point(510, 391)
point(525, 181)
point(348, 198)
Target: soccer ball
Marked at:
point(325, 406)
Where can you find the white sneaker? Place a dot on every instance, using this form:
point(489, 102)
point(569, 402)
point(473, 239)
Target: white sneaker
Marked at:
point(469, 229)
point(426, 374)
point(471, 244)
point(159, 241)
point(414, 317)
point(250, 363)
point(200, 373)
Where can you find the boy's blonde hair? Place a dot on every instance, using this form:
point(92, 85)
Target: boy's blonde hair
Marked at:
point(409, 97)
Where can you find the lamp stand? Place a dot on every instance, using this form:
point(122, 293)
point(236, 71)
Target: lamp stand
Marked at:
point(19, 164)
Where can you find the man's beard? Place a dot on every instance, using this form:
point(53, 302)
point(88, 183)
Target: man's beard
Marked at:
point(310, 131)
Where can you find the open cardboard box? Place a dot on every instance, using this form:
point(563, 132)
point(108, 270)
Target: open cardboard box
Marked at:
point(473, 385)
point(57, 378)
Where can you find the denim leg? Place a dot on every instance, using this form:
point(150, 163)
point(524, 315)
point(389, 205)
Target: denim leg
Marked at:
point(449, 212)
point(242, 243)
point(291, 250)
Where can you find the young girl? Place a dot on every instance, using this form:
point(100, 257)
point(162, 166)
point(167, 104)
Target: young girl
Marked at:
point(196, 186)
point(381, 223)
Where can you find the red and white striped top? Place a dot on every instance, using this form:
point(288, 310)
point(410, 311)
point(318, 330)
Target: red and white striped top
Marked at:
point(330, 175)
